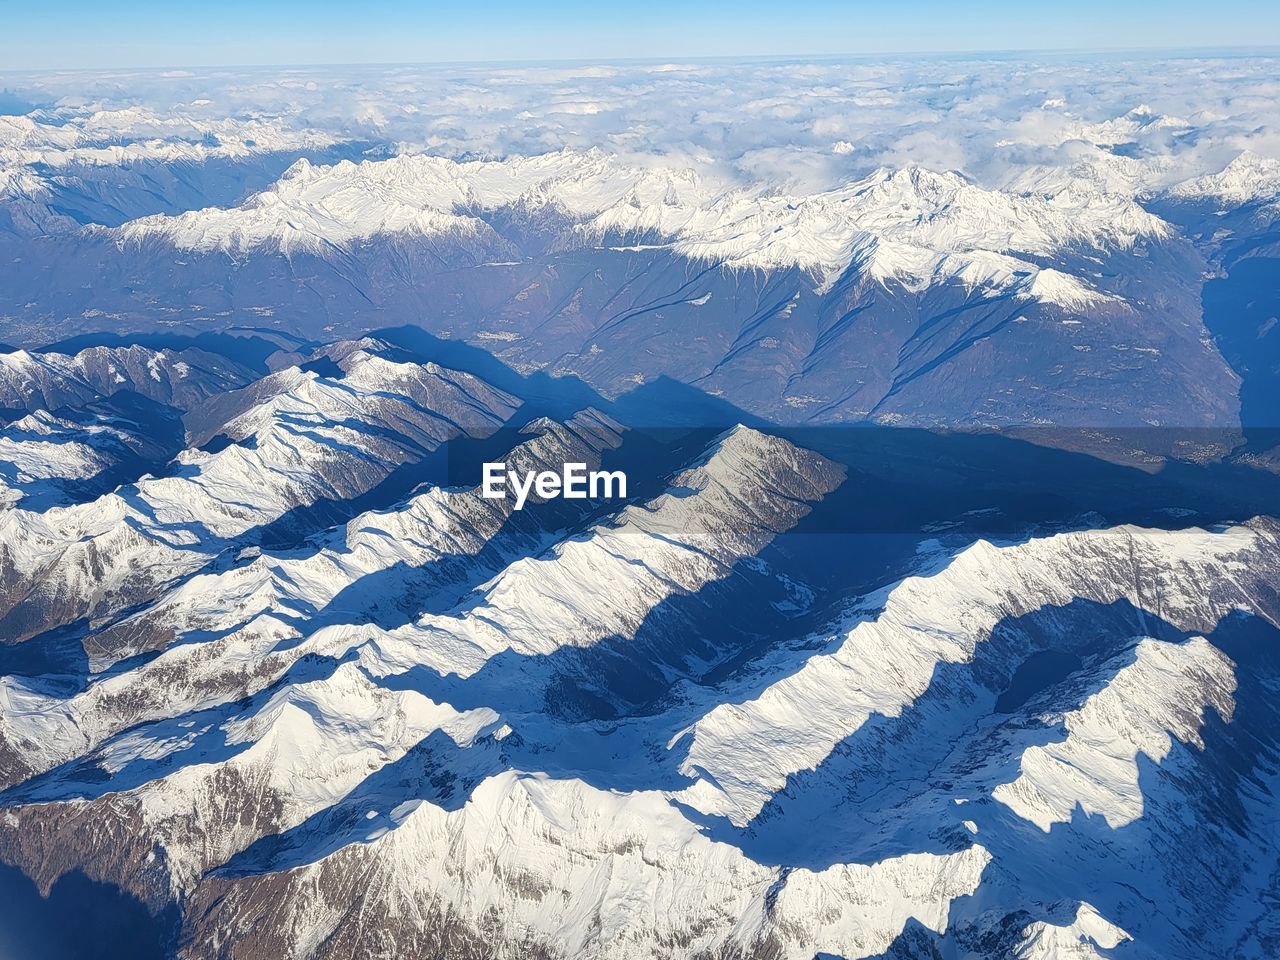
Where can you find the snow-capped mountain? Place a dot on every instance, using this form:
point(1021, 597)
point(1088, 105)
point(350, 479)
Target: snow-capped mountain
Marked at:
point(49, 380)
point(280, 677)
point(1248, 179)
point(67, 138)
point(592, 729)
point(904, 296)
point(887, 662)
point(910, 225)
point(62, 169)
point(325, 438)
point(382, 567)
point(51, 459)
point(1060, 282)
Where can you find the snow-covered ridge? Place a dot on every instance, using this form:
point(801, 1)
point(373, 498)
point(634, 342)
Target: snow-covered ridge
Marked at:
point(1160, 696)
point(604, 858)
point(250, 612)
point(740, 755)
point(324, 438)
point(133, 134)
point(36, 449)
point(131, 155)
point(42, 451)
point(312, 746)
point(749, 488)
point(1249, 178)
point(1077, 939)
point(434, 524)
point(342, 765)
point(911, 225)
point(593, 846)
point(525, 841)
point(182, 378)
point(746, 489)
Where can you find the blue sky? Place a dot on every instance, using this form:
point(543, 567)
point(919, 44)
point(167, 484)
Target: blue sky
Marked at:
point(71, 33)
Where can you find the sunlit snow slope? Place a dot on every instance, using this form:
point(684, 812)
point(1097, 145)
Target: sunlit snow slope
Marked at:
point(678, 725)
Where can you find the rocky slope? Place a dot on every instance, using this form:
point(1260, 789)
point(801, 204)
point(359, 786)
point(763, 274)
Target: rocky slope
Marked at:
point(325, 438)
point(444, 725)
point(50, 381)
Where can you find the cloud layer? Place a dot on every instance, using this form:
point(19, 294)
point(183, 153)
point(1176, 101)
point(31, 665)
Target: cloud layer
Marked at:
point(1145, 123)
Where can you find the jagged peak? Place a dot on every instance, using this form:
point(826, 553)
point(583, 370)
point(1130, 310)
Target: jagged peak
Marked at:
point(1080, 937)
point(1248, 178)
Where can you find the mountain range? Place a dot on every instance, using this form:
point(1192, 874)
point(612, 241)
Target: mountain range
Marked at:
point(907, 297)
point(939, 619)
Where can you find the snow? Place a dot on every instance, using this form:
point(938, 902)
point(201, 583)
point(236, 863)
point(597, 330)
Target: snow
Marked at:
point(1249, 178)
point(27, 457)
point(604, 582)
point(1159, 697)
point(326, 438)
point(740, 754)
point(46, 459)
point(1079, 939)
point(316, 741)
point(623, 876)
point(50, 380)
point(248, 725)
point(911, 225)
point(250, 611)
point(136, 133)
point(358, 763)
point(307, 747)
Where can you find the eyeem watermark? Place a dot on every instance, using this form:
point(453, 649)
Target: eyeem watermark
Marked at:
point(573, 482)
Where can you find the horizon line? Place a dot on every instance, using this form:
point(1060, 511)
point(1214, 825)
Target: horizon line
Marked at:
point(1173, 52)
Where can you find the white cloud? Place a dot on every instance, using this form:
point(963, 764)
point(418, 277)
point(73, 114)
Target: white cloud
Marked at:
point(807, 125)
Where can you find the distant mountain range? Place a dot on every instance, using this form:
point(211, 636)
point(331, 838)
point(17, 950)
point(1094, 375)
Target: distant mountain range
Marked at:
point(909, 296)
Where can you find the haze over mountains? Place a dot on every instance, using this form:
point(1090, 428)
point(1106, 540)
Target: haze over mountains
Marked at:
point(276, 680)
